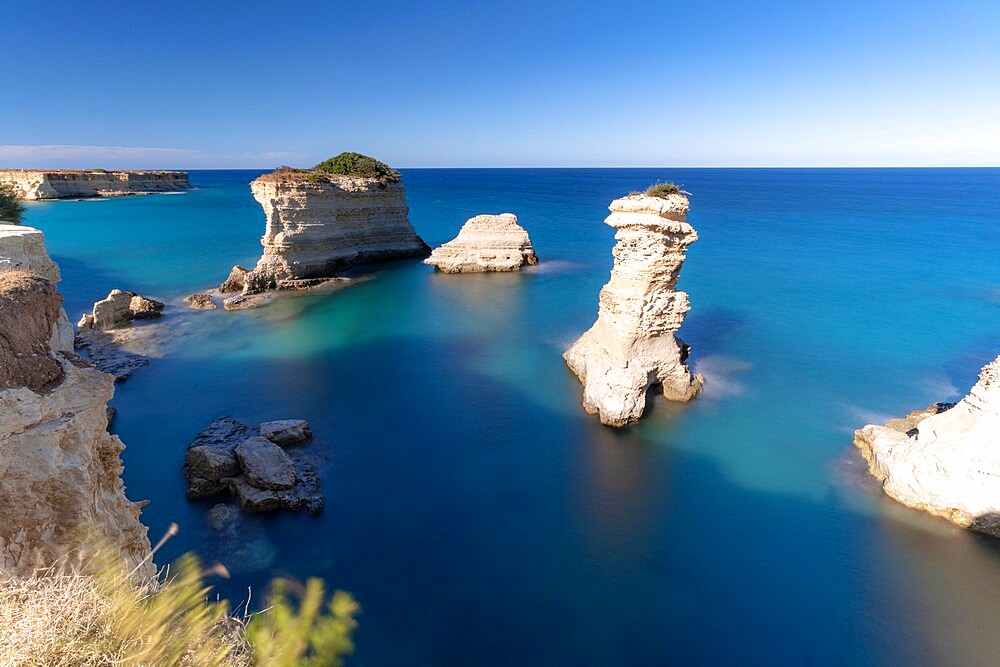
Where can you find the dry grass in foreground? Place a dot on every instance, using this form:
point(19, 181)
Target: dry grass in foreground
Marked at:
point(100, 616)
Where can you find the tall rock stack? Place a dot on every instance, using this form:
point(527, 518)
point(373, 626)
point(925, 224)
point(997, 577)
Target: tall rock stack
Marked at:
point(633, 347)
point(945, 459)
point(60, 468)
point(320, 224)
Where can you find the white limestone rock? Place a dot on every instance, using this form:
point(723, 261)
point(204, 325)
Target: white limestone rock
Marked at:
point(23, 248)
point(944, 460)
point(633, 347)
point(318, 225)
point(34, 184)
point(485, 243)
point(118, 309)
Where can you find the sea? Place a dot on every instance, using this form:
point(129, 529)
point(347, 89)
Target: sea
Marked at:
point(480, 517)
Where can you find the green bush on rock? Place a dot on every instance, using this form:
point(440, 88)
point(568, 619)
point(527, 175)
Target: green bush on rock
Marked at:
point(11, 209)
point(356, 164)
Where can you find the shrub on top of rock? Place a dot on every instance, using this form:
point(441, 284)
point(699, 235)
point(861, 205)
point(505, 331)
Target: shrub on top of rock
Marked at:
point(356, 164)
point(663, 190)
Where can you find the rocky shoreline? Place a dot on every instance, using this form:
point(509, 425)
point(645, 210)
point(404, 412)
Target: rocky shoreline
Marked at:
point(31, 185)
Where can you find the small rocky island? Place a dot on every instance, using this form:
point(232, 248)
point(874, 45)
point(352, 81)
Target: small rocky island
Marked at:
point(320, 221)
point(485, 243)
point(944, 459)
point(31, 184)
point(633, 347)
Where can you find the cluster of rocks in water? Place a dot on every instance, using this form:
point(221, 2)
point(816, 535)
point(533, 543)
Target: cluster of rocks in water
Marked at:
point(259, 466)
point(99, 335)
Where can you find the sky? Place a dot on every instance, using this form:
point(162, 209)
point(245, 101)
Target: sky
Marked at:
point(251, 84)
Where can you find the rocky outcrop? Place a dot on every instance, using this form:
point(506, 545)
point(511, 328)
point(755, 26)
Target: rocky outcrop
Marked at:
point(66, 183)
point(236, 281)
point(633, 347)
point(230, 457)
point(200, 302)
point(118, 309)
point(485, 243)
point(60, 469)
point(945, 459)
point(317, 225)
point(24, 248)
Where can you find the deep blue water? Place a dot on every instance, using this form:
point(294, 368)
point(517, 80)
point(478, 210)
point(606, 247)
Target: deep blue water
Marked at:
point(481, 517)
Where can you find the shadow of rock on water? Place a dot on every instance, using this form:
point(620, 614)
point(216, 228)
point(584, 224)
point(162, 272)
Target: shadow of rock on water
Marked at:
point(707, 330)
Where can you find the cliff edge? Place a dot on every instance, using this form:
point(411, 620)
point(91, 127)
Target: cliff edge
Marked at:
point(60, 468)
point(632, 347)
point(32, 184)
point(945, 459)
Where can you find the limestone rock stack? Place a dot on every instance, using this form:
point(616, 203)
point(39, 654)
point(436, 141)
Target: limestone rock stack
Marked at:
point(633, 347)
point(118, 309)
point(60, 468)
point(23, 248)
point(319, 224)
point(485, 243)
point(944, 460)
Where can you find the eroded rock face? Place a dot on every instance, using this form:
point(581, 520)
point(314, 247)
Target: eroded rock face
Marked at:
point(633, 347)
point(485, 243)
point(23, 248)
point(317, 228)
point(236, 281)
point(229, 457)
point(945, 459)
point(118, 309)
point(60, 470)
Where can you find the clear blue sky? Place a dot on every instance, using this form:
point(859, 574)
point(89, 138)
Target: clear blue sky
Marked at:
point(612, 83)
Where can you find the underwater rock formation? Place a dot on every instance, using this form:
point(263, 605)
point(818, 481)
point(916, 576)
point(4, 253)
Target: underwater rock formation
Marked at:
point(633, 347)
point(945, 459)
point(60, 468)
point(320, 224)
point(228, 457)
point(70, 183)
point(23, 248)
point(485, 243)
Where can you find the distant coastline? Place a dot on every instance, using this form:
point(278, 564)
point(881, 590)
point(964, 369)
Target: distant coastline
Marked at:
point(37, 184)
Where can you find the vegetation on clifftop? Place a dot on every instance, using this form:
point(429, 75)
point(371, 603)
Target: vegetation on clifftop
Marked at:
point(345, 164)
point(11, 209)
point(663, 190)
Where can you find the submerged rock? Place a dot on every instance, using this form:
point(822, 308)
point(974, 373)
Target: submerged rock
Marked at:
point(633, 347)
point(59, 466)
point(945, 459)
point(103, 351)
point(200, 302)
point(229, 457)
point(485, 243)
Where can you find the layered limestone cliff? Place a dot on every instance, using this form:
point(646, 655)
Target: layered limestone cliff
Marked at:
point(485, 243)
point(946, 459)
point(65, 183)
point(633, 347)
point(24, 248)
point(318, 225)
point(60, 468)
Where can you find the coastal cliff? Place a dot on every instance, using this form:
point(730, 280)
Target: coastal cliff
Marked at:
point(485, 243)
point(61, 469)
point(23, 248)
point(65, 183)
point(632, 347)
point(317, 227)
point(945, 459)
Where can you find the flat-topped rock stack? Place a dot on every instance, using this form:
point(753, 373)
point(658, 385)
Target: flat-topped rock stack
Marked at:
point(61, 469)
point(633, 347)
point(319, 222)
point(33, 184)
point(944, 459)
point(485, 243)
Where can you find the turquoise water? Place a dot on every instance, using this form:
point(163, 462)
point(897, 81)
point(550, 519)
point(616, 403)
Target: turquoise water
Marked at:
point(481, 517)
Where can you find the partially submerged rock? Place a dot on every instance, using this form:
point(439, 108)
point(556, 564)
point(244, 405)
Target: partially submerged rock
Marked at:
point(228, 457)
point(236, 281)
point(287, 432)
point(118, 309)
point(632, 347)
point(945, 459)
point(200, 302)
point(104, 351)
point(485, 243)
